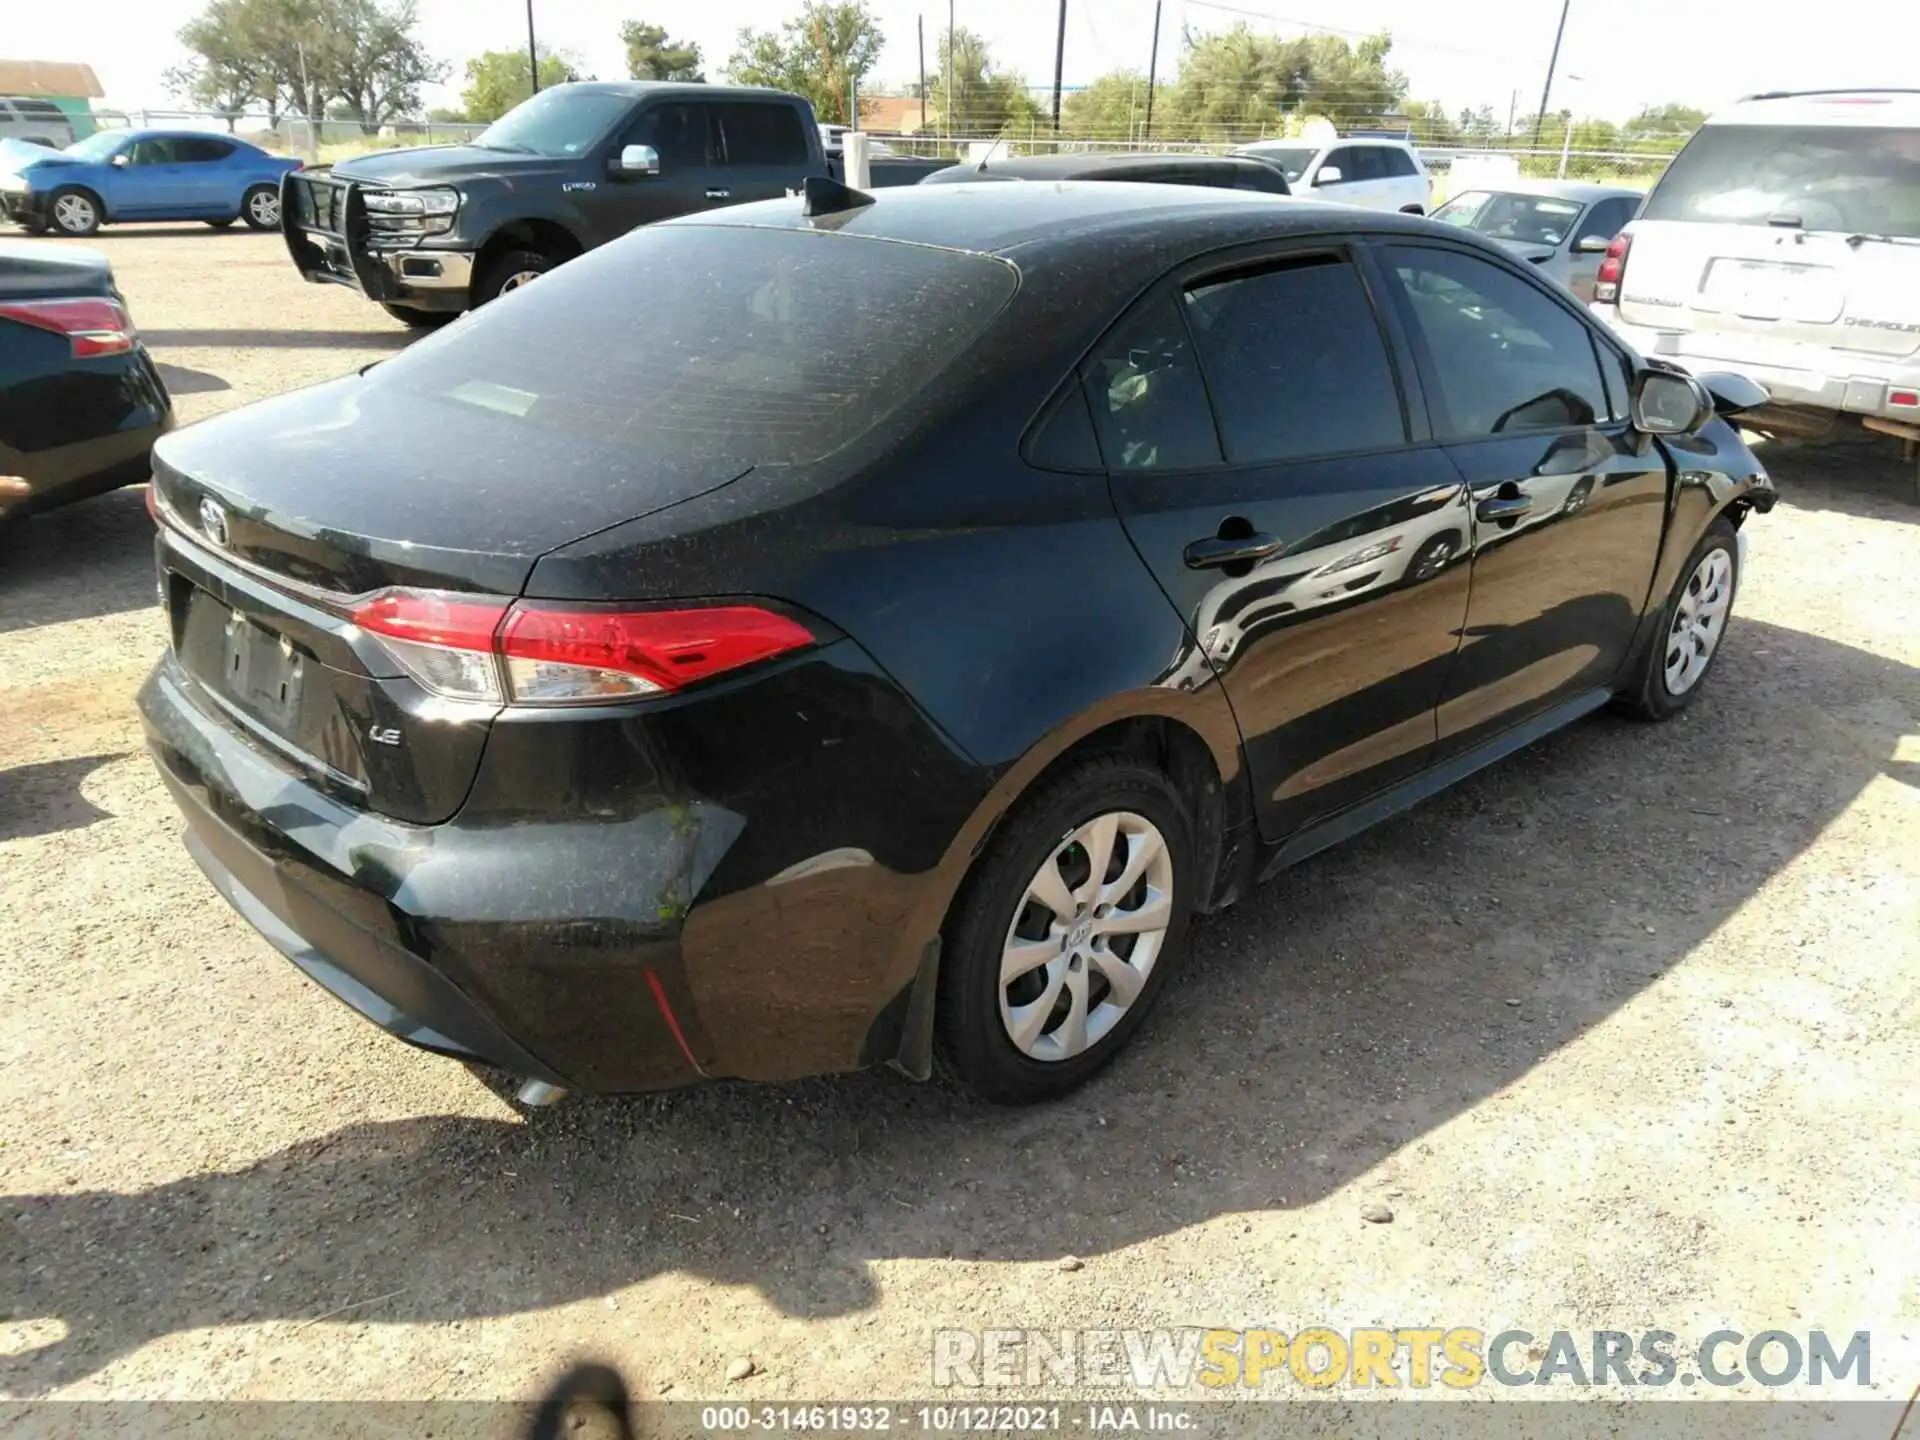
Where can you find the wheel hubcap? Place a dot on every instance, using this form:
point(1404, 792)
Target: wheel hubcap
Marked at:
point(1698, 621)
point(1085, 936)
point(266, 209)
point(73, 213)
point(519, 278)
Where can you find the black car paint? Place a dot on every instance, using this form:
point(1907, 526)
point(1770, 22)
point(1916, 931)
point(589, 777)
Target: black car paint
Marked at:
point(70, 427)
point(1229, 172)
point(751, 879)
point(559, 206)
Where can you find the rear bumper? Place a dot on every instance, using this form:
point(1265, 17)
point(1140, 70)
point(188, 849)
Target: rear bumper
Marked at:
point(1812, 377)
point(408, 925)
point(97, 435)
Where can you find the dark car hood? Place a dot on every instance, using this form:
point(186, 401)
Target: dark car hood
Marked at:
point(441, 164)
point(35, 268)
point(1529, 250)
point(356, 484)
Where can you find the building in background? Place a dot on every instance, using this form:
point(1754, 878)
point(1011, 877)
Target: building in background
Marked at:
point(71, 87)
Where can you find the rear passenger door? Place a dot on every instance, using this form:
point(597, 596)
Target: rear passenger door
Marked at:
point(765, 149)
point(1569, 500)
point(1271, 472)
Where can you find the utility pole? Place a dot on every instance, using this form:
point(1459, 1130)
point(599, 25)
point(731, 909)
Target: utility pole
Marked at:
point(1552, 63)
point(1513, 109)
point(1059, 64)
point(1153, 67)
point(920, 33)
point(946, 111)
point(533, 54)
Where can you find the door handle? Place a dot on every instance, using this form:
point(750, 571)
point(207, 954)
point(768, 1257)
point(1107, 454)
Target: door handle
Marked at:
point(719, 194)
point(1214, 551)
point(1497, 508)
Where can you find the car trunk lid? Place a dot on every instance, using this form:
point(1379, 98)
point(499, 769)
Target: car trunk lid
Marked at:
point(283, 518)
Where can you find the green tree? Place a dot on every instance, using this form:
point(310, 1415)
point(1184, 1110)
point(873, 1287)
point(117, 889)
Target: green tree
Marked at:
point(497, 81)
point(1114, 107)
point(1662, 126)
point(652, 56)
point(821, 54)
point(1430, 123)
point(986, 101)
point(379, 70)
point(1239, 84)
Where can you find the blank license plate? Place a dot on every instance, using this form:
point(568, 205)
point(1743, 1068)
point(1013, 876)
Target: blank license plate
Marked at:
point(263, 671)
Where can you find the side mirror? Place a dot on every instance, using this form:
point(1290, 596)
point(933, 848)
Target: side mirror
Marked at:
point(121, 161)
point(1591, 245)
point(1665, 403)
point(636, 160)
point(1328, 175)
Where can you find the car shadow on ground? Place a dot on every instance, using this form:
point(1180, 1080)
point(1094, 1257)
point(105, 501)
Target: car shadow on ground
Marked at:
point(1339, 1015)
point(46, 799)
point(77, 562)
point(1850, 470)
point(395, 339)
point(181, 380)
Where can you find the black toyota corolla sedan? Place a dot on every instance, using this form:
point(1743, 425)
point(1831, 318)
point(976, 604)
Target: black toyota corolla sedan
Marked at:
point(819, 633)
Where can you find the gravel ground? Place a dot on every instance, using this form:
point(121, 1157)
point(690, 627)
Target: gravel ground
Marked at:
point(1621, 1032)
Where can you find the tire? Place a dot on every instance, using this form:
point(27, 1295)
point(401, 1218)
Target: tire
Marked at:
point(221, 224)
point(82, 211)
point(1434, 556)
point(1056, 829)
point(508, 271)
point(416, 319)
point(260, 207)
point(1670, 676)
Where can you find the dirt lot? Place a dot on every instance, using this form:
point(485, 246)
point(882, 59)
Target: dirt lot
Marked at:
point(1622, 1032)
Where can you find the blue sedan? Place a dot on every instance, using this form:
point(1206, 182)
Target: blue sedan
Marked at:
point(122, 175)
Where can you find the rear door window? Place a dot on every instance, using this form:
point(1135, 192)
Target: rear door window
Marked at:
point(201, 152)
point(1296, 362)
point(1850, 178)
point(762, 134)
point(1149, 404)
point(1504, 357)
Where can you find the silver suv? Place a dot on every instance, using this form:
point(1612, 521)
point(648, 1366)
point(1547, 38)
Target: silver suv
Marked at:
point(1784, 242)
point(40, 122)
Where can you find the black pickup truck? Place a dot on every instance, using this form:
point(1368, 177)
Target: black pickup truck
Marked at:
point(432, 232)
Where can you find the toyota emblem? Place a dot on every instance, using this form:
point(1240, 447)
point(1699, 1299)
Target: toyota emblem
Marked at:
point(213, 521)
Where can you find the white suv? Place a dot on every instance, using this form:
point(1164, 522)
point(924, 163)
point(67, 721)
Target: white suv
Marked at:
point(1376, 174)
point(1784, 242)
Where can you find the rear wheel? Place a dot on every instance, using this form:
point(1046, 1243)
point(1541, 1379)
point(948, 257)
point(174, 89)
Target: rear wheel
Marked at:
point(260, 207)
point(418, 319)
point(1692, 625)
point(1070, 924)
point(74, 211)
point(509, 270)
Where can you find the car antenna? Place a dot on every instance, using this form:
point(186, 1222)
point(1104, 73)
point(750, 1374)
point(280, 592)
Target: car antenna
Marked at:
point(981, 168)
point(825, 196)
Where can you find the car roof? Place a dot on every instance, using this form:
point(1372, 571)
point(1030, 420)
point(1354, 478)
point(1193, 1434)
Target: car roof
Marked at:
point(1891, 108)
point(1137, 230)
point(1073, 167)
point(688, 89)
point(1582, 190)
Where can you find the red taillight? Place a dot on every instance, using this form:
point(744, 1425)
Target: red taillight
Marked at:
point(94, 325)
point(1905, 399)
point(541, 653)
point(1606, 282)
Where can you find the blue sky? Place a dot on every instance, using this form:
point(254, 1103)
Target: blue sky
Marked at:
point(1628, 52)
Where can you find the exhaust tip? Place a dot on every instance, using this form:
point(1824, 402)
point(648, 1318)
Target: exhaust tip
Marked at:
point(538, 1094)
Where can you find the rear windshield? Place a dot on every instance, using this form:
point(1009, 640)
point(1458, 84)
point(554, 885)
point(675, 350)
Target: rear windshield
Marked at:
point(1835, 177)
point(768, 347)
